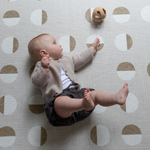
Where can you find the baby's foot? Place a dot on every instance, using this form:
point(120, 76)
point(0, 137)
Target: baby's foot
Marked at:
point(122, 95)
point(88, 102)
point(96, 44)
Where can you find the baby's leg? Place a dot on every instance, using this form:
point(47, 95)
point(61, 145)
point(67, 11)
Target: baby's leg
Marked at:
point(64, 106)
point(108, 99)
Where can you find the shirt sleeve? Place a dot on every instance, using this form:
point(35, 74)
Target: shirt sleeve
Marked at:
point(39, 76)
point(82, 59)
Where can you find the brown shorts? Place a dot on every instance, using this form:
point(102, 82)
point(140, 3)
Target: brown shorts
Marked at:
point(55, 120)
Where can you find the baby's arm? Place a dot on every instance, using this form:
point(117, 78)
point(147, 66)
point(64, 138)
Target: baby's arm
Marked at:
point(45, 63)
point(39, 75)
point(83, 58)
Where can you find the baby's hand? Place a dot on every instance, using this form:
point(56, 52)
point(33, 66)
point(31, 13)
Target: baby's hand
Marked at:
point(45, 63)
point(95, 46)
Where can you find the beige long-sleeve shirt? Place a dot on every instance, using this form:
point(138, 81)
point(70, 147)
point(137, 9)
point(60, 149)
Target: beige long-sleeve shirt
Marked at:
point(50, 83)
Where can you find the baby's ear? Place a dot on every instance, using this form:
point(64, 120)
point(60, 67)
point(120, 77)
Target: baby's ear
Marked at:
point(44, 53)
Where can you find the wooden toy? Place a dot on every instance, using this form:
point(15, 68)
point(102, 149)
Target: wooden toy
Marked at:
point(99, 14)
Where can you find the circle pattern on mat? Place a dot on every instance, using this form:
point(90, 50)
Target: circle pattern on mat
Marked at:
point(88, 15)
point(121, 14)
point(7, 136)
point(8, 74)
point(126, 71)
point(38, 17)
point(99, 109)
point(10, 45)
point(131, 135)
point(131, 104)
point(148, 69)
point(11, 18)
point(8, 104)
point(36, 104)
point(68, 43)
point(123, 42)
point(91, 39)
point(37, 136)
point(145, 13)
point(100, 135)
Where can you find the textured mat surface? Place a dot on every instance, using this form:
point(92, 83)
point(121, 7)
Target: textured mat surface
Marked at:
point(123, 57)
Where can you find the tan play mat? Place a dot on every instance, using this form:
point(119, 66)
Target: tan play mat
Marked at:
point(123, 57)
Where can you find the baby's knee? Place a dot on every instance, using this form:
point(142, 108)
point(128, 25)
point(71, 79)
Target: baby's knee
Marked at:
point(59, 107)
point(58, 102)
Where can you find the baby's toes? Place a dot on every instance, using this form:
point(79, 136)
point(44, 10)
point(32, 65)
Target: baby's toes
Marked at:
point(85, 94)
point(87, 89)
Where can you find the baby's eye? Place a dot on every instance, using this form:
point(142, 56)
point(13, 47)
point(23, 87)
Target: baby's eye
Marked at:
point(54, 43)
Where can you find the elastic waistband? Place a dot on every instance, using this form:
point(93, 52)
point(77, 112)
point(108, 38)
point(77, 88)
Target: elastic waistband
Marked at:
point(73, 86)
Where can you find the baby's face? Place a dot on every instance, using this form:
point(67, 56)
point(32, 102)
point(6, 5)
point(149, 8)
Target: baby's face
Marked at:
point(52, 48)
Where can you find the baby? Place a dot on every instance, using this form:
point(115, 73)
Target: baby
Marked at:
point(54, 74)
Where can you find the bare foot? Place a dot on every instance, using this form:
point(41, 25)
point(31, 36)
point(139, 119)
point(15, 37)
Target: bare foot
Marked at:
point(88, 102)
point(122, 95)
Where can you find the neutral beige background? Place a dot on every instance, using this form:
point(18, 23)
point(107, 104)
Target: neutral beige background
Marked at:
point(67, 17)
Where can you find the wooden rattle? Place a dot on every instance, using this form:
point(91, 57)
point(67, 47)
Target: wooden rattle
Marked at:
point(99, 14)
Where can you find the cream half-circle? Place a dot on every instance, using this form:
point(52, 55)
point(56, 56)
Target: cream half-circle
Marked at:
point(126, 75)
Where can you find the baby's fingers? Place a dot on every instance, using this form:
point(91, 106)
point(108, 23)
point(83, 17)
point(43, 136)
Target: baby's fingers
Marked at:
point(47, 63)
point(45, 59)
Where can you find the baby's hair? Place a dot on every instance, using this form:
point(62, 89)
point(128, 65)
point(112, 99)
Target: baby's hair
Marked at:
point(33, 50)
point(38, 37)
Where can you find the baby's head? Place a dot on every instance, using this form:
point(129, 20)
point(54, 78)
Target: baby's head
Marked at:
point(44, 45)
